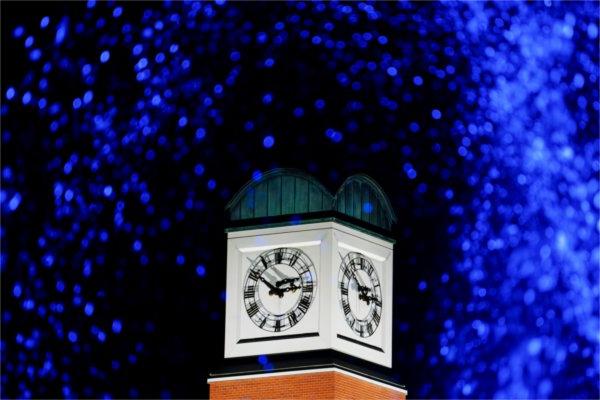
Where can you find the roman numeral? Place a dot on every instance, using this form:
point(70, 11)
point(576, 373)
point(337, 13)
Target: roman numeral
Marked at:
point(347, 273)
point(376, 318)
point(263, 322)
point(278, 325)
point(294, 258)
point(370, 270)
point(344, 291)
point(346, 307)
point(361, 330)
point(304, 304)
point(253, 310)
point(254, 275)
point(370, 329)
point(307, 287)
point(249, 292)
point(293, 319)
point(264, 262)
point(377, 302)
point(278, 256)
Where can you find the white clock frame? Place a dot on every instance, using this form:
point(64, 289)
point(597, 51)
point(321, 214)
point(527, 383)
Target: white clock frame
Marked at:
point(324, 325)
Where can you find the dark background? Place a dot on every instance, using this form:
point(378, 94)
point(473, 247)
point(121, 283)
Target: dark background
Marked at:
point(479, 120)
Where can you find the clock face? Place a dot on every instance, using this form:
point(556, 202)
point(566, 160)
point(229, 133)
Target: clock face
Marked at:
point(279, 288)
point(360, 294)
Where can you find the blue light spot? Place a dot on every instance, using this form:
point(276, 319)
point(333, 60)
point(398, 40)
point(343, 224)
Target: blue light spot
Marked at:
point(417, 80)
point(26, 98)
point(89, 309)
point(182, 122)
point(334, 135)
point(391, 71)
point(137, 49)
point(10, 93)
point(262, 359)
point(137, 245)
point(88, 96)
point(18, 31)
point(367, 208)
point(17, 290)
point(29, 41)
point(77, 103)
point(212, 184)
point(422, 286)
point(61, 31)
point(268, 141)
point(35, 54)
point(199, 169)
point(108, 190)
point(14, 202)
point(534, 346)
point(267, 98)
point(436, 114)
point(72, 337)
point(117, 12)
point(44, 22)
point(105, 56)
point(180, 259)
point(117, 326)
point(201, 271)
point(257, 175)
point(200, 133)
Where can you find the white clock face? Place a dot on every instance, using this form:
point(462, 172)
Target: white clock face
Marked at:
point(278, 288)
point(360, 294)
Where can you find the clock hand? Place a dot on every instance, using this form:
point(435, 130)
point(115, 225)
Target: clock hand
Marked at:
point(286, 280)
point(273, 289)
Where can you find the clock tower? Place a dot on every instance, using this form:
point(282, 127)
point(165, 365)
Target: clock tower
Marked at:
point(309, 291)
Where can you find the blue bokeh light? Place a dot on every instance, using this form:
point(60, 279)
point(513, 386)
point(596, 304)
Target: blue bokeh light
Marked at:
point(480, 120)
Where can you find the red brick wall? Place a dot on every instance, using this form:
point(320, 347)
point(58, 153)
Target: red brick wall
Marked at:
point(314, 385)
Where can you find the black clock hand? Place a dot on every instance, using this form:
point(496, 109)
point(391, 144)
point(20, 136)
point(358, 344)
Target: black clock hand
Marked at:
point(273, 289)
point(291, 288)
point(286, 280)
point(368, 299)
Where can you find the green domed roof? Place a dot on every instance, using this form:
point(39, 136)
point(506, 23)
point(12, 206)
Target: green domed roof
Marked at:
point(281, 192)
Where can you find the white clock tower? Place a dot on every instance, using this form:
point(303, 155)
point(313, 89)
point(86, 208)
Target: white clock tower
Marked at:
point(308, 273)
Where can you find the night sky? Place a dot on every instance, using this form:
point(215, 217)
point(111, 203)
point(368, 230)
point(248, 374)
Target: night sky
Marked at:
point(127, 127)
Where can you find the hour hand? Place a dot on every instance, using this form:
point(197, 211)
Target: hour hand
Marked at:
point(285, 281)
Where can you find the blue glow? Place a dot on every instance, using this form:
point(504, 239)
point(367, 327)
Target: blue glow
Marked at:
point(262, 359)
point(89, 309)
point(436, 114)
point(44, 22)
point(417, 80)
point(201, 271)
point(391, 71)
point(117, 326)
point(35, 55)
point(199, 169)
point(72, 336)
point(268, 141)
point(104, 56)
point(10, 93)
point(367, 208)
point(14, 202)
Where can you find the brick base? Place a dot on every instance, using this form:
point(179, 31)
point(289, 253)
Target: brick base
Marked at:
point(308, 385)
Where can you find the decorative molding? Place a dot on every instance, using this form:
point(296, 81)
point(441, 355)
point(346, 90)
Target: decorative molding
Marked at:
point(353, 374)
